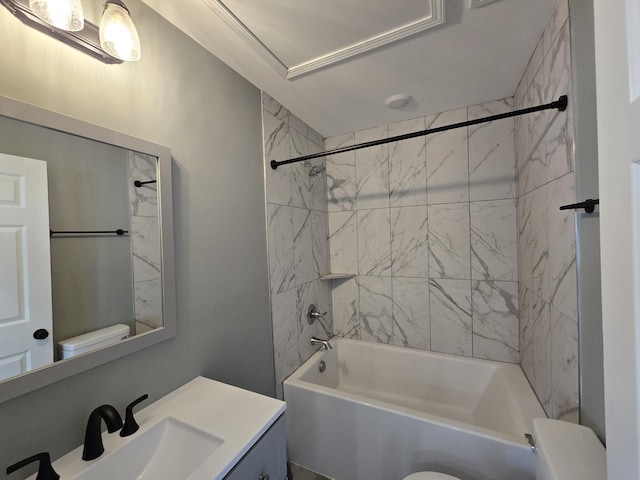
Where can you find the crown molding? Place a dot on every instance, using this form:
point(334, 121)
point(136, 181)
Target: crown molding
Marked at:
point(247, 35)
point(437, 17)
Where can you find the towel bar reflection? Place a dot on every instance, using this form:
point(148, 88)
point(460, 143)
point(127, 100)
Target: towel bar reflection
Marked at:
point(119, 232)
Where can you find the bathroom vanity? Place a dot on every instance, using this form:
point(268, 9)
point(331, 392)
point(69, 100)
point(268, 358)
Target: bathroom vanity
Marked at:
point(204, 430)
point(267, 459)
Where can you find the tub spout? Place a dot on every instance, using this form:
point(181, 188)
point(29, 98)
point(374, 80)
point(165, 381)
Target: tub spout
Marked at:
point(324, 343)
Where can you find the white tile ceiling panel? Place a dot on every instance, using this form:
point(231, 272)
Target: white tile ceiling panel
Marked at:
point(297, 31)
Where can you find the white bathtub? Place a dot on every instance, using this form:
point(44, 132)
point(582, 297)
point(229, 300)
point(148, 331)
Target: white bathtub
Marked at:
point(380, 413)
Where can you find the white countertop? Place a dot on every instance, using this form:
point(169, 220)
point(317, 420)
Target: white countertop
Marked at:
point(238, 417)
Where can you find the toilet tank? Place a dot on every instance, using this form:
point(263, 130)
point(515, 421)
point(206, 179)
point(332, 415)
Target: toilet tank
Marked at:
point(567, 451)
point(92, 341)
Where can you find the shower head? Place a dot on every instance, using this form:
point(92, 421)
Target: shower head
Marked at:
point(315, 170)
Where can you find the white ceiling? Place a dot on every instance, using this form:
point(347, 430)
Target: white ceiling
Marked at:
point(345, 57)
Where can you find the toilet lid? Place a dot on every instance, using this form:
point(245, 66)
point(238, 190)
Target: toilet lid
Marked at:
point(430, 476)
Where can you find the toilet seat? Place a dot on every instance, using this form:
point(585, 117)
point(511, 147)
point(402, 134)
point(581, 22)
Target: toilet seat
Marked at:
point(430, 476)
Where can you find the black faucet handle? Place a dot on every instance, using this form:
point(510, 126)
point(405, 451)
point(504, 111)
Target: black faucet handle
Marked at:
point(45, 470)
point(130, 424)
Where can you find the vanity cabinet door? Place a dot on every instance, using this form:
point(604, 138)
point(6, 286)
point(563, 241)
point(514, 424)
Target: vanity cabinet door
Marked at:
point(267, 459)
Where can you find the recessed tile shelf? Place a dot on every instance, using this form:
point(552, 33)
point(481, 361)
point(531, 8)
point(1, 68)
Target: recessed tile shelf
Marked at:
point(337, 276)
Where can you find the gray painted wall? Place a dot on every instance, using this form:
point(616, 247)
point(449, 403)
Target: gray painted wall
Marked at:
point(180, 96)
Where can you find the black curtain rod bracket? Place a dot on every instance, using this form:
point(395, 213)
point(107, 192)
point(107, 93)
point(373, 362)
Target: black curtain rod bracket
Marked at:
point(589, 205)
point(138, 183)
point(560, 105)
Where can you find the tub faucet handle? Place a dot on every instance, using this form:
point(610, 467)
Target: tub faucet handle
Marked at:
point(313, 314)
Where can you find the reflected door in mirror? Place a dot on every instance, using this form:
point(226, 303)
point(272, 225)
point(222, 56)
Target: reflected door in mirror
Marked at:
point(25, 284)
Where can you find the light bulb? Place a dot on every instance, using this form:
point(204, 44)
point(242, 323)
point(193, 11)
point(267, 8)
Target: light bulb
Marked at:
point(62, 14)
point(118, 35)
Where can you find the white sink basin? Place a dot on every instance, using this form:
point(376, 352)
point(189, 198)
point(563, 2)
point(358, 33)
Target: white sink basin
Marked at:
point(197, 432)
point(167, 451)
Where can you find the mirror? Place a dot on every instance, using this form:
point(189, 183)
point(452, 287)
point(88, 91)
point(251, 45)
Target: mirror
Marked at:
point(91, 278)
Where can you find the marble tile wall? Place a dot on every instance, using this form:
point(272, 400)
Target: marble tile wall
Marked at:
point(546, 236)
point(297, 232)
point(428, 228)
point(454, 240)
point(145, 243)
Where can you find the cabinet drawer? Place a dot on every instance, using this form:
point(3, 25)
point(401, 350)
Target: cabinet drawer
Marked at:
point(267, 457)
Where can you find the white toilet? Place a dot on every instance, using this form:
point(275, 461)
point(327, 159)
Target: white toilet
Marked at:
point(564, 451)
point(92, 341)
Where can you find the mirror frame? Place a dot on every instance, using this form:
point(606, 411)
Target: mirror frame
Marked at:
point(62, 369)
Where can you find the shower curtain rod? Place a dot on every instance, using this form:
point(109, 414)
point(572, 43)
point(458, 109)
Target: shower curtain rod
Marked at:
point(560, 105)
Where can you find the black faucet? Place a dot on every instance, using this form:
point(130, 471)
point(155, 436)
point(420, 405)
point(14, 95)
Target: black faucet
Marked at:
point(93, 447)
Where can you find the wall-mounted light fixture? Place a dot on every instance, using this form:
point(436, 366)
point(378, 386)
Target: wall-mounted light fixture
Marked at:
point(62, 14)
point(118, 35)
point(114, 42)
